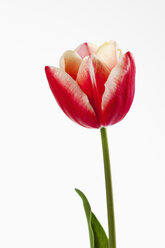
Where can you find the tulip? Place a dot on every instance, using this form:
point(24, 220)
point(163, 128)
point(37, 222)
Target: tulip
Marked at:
point(94, 86)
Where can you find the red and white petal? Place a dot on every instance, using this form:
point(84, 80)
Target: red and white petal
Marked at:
point(70, 63)
point(107, 53)
point(119, 91)
point(83, 78)
point(91, 78)
point(86, 49)
point(71, 98)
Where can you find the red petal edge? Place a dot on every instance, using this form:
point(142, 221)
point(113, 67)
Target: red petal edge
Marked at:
point(72, 100)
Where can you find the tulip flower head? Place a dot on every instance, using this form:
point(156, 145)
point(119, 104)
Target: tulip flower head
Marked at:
point(94, 86)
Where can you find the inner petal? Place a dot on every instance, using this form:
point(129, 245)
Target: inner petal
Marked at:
point(70, 63)
point(91, 78)
point(86, 49)
point(107, 53)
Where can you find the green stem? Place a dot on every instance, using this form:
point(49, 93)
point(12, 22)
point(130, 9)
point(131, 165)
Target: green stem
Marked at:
point(109, 192)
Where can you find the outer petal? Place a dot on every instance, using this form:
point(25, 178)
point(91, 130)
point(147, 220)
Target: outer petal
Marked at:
point(91, 77)
point(70, 62)
point(70, 97)
point(86, 49)
point(107, 53)
point(119, 91)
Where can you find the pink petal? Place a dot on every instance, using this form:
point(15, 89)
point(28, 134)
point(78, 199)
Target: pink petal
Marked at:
point(119, 91)
point(70, 63)
point(91, 77)
point(71, 98)
point(86, 49)
point(107, 53)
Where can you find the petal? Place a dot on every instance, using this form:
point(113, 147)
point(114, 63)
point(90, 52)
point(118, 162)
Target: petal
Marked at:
point(70, 97)
point(119, 91)
point(86, 49)
point(70, 63)
point(107, 53)
point(91, 77)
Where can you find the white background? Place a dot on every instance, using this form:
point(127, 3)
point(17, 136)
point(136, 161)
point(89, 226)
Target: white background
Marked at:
point(44, 155)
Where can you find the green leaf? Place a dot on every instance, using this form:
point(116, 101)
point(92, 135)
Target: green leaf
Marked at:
point(88, 213)
point(97, 235)
point(100, 237)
